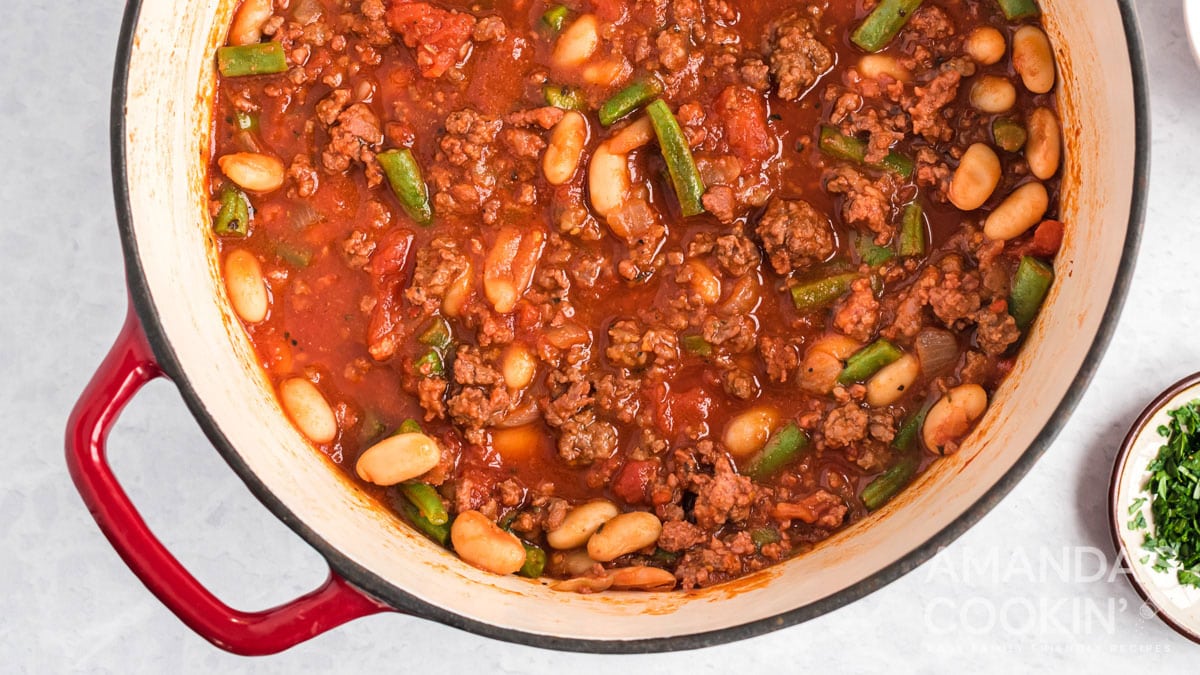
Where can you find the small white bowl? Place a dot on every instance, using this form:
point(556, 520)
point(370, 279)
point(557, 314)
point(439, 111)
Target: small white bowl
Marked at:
point(1178, 606)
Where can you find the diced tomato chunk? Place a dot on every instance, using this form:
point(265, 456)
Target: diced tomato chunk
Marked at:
point(633, 483)
point(676, 411)
point(389, 276)
point(439, 37)
point(1047, 239)
point(744, 114)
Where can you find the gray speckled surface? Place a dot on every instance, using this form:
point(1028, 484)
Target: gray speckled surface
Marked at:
point(997, 600)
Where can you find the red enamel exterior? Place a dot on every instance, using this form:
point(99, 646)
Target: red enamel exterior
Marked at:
point(130, 364)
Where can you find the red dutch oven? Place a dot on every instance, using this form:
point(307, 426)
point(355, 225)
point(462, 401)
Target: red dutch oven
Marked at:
point(180, 326)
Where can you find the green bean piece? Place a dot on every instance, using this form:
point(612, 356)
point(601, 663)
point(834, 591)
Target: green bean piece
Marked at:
point(404, 175)
point(555, 17)
point(437, 335)
point(1030, 286)
point(881, 25)
point(888, 484)
point(689, 187)
point(296, 256)
point(427, 500)
point(233, 218)
point(765, 535)
point(245, 121)
point(261, 58)
point(562, 96)
point(907, 436)
point(438, 533)
point(1015, 10)
point(664, 557)
point(840, 146)
point(694, 344)
point(784, 447)
point(628, 100)
point(871, 253)
point(817, 294)
point(868, 361)
point(912, 231)
point(535, 561)
point(430, 364)
point(410, 426)
point(1009, 135)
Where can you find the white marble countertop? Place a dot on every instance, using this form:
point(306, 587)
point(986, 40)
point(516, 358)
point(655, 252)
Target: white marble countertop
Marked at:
point(1029, 585)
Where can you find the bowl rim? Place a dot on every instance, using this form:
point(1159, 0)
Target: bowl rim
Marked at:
point(404, 602)
point(1120, 464)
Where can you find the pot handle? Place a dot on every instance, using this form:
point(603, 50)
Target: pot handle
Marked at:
point(130, 364)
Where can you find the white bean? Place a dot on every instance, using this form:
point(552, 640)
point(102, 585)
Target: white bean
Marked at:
point(459, 292)
point(308, 409)
point(246, 286)
point(1022, 210)
point(1033, 59)
point(992, 94)
point(584, 585)
point(577, 43)
point(518, 366)
point(581, 523)
point(704, 283)
point(1043, 152)
point(480, 542)
point(608, 180)
point(398, 458)
point(642, 578)
point(567, 139)
point(248, 21)
point(986, 45)
point(872, 66)
point(510, 265)
point(632, 137)
point(891, 382)
point(253, 171)
point(952, 416)
point(976, 177)
point(749, 431)
point(824, 361)
point(623, 534)
point(607, 72)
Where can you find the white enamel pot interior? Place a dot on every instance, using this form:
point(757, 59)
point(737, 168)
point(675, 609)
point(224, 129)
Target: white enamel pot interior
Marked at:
point(161, 121)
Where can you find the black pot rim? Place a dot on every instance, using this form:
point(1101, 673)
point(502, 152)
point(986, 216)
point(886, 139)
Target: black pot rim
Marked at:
point(404, 602)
